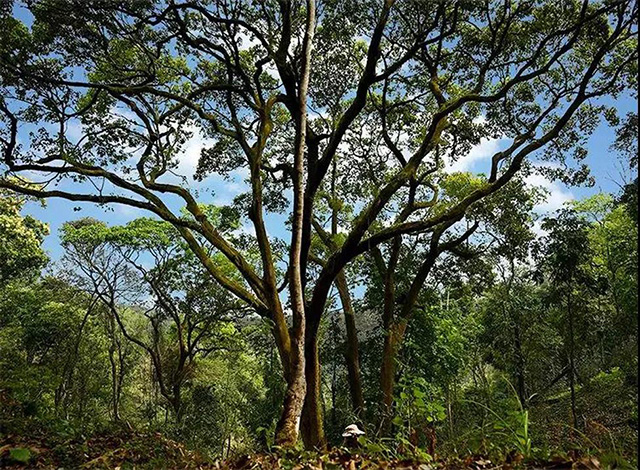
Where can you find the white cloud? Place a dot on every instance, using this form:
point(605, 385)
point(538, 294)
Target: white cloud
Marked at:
point(538, 230)
point(558, 194)
point(271, 70)
point(224, 190)
point(481, 152)
point(247, 228)
point(131, 212)
point(247, 40)
point(75, 130)
point(190, 155)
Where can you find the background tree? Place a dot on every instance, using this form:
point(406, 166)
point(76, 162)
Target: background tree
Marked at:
point(567, 251)
point(144, 264)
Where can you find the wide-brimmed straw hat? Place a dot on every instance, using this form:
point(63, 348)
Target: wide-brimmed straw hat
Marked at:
point(352, 430)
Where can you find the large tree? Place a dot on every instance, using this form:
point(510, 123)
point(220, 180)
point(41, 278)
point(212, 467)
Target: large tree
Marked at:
point(404, 266)
point(111, 92)
point(144, 264)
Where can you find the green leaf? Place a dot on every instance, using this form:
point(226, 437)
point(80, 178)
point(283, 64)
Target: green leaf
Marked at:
point(20, 454)
point(418, 393)
point(374, 448)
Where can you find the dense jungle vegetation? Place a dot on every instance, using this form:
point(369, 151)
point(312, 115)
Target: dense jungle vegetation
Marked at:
point(335, 213)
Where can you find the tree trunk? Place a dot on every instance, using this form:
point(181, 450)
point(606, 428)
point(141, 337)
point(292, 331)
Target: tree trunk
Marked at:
point(395, 329)
point(352, 350)
point(283, 343)
point(122, 371)
point(520, 372)
point(312, 423)
point(289, 423)
point(60, 396)
point(392, 342)
point(387, 374)
point(450, 395)
point(176, 403)
point(334, 391)
point(114, 385)
point(572, 366)
point(114, 370)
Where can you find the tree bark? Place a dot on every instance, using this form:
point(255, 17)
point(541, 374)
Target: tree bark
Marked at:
point(114, 385)
point(176, 403)
point(312, 423)
point(572, 366)
point(352, 350)
point(60, 396)
point(113, 348)
point(283, 341)
point(289, 423)
point(395, 324)
point(392, 343)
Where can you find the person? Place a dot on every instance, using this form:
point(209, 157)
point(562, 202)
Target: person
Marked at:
point(351, 434)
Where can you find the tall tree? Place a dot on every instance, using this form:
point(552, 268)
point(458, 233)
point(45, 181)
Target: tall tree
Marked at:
point(407, 262)
point(117, 89)
point(567, 251)
point(184, 309)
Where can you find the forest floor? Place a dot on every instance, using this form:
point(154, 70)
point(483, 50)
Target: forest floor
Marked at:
point(144, 450)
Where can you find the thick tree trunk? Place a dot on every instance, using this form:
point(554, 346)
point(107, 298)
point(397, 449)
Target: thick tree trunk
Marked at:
point(392, 343)
point(312, 423)
point(282, 340)
point(289, 424)
point(352, 350)
point(387, 373)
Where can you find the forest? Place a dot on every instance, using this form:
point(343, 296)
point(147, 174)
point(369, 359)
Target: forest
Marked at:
point(321, 234)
